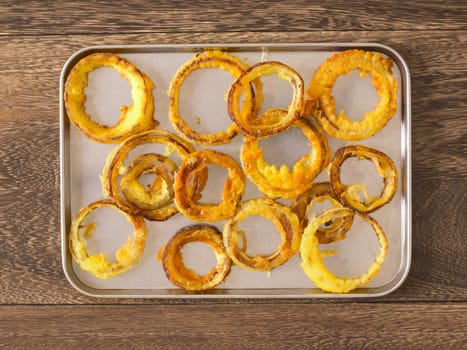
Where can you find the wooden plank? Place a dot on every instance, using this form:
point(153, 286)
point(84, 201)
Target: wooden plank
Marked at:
point(375, 326)
point(30, 267)
point(79, 17)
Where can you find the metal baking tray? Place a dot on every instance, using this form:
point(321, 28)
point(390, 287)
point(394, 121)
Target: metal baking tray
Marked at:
point(81, 162)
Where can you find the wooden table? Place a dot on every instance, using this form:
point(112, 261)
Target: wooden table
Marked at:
point(40, 310)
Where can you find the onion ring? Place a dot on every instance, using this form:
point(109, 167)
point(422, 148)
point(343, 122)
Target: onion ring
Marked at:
point(99, 265)
point(320, 192)
point(209, 59)
point(284, 182)
point(231, 195)
point(348, 194)
point(245, 119)
point(135, 118)
point(312, 256)
point(179, 274)
point(160, 191)
point(322, 103)
point(286, 222)
point(114, 168)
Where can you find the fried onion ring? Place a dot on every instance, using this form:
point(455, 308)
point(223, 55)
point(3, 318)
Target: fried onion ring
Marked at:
point(323, 105)
point(209, 59)
point(312, 256)
point(231, 195)
point(160, 192)
point(99, 265)
point(114, 167)
point(286, 222)
point(135, 118)
point(179, 274)
point(348, 195)
point(283, 182)
point(245, 119)
point(319, 192)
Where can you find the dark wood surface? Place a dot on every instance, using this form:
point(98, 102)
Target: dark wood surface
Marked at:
point(39, 309)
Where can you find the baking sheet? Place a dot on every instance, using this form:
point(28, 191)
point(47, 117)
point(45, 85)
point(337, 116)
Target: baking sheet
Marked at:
point(203, 107)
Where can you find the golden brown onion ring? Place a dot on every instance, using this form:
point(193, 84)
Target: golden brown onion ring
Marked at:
point(135, 118)
point(179, 274)
point(312, 256)
point(231, 195)
point(99, 265)
point(245, 119)
point(283, 182)
point(323, 105)
point(348, 195)
point(286, 222)
point(160, 192)
point(209, 59)
point(114, 167)
point(318, 193)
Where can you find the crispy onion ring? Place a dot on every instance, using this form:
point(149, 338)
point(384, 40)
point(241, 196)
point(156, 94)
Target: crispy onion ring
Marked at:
point(318, 193)
point(245, 119)
point(349, 194)
point(179, 274)
point(99, 265)
point(283, 182)
point(312, 256)
point(114, 167)
point(135, 118)
point(209, 59)
point(323, 105)
point(286, 222)
point(160, 192)
point(231, 195)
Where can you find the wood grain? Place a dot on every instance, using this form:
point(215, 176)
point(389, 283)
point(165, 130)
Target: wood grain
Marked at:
point(91, 17)
point(30, 266)
point(395, 326)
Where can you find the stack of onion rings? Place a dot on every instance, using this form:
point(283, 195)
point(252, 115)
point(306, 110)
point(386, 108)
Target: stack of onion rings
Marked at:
point(114, 168)
point(178, 189)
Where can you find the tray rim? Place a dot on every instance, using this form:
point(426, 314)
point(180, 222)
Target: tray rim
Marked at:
point(285, 293)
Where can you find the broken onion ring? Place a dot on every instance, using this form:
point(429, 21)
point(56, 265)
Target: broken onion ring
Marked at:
point(312, 256)
point(99, 265)
point(244, 117)
point(135, 118)
point(323, 105)
point(179, 274)
point(319, 192)
point(208, 59)
point(283, 182)
point(286, 222)
point(190, 170)
point(114, 167)
point(348, 195)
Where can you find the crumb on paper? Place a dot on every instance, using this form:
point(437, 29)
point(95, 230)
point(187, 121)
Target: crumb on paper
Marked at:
point(268, 274)
point(197, 120)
